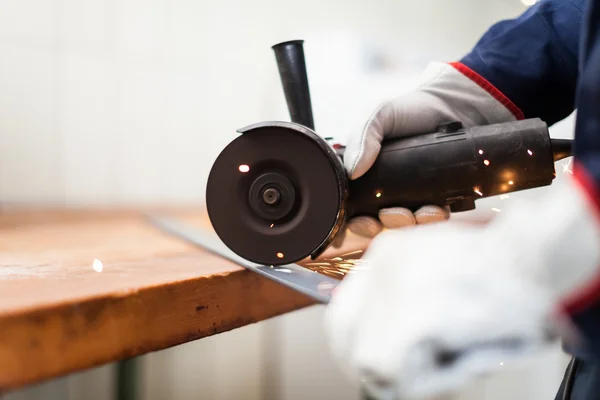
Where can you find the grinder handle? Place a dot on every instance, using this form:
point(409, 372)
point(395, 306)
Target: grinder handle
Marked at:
point(294, 79)
point(454, 167)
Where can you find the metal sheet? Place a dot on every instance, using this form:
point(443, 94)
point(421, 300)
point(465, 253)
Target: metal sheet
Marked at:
point(310, 283)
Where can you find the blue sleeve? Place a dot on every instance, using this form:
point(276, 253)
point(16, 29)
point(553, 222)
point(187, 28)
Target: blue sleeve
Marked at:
point(587, 128)
point(533, 59)
point(587, 152)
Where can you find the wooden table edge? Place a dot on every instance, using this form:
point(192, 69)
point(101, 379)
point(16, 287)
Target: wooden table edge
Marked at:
point(198, 309)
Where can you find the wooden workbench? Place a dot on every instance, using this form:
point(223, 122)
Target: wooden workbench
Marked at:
point(58, 314)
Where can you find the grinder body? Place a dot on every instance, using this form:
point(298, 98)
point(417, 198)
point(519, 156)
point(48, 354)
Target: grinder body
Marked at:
point(455, 166)
point(279, 193)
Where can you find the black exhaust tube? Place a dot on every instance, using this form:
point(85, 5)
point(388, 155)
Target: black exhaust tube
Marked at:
point(294, 79)
point(561, 148)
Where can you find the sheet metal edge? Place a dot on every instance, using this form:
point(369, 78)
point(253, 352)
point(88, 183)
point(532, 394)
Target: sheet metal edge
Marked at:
point(303, 280)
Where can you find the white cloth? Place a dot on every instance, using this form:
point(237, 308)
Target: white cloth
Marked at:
point(482, 293)
point(443, 94)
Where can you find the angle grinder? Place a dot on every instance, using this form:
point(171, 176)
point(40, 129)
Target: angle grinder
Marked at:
point(279, 192)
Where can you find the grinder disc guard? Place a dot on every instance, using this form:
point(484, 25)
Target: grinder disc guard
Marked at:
point(276, 193)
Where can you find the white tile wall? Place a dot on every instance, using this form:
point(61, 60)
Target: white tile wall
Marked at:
point(130, 101)
point(89, 105)
point(29, 22)
point(87, 26)
point(227, 366)
point(30, 142)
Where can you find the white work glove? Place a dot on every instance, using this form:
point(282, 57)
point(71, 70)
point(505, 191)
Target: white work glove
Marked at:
point(444, 94)
point(432, 307)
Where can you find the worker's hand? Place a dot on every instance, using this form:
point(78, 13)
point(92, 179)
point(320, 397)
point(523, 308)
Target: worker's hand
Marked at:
point(432, 307)
point(447, 92)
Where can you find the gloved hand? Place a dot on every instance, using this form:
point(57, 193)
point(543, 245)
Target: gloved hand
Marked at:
point(434, 306)
point(447, 92)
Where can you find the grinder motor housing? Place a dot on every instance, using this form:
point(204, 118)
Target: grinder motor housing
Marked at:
point(455, 166)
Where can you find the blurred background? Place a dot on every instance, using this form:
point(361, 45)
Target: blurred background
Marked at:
point(128, 102)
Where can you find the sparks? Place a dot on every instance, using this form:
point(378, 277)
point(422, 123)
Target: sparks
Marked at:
point(272, 225)
point(566, 167)
point(480, 151)
point(496, 209)
point(280, 255)
point(244, 168)
point(529, 152)
point(510, 182)
point(338, 265)
point(361, 265)
point(97, 265)
point(476, 190)
point(352, 252)
point(378, 194)
point(486, 162)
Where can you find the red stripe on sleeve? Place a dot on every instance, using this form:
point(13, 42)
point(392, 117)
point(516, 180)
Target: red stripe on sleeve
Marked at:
point(488, 87)
point(590, 189)
point(585, 296)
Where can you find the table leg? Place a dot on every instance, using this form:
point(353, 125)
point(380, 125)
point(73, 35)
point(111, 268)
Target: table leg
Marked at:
point(127, 380)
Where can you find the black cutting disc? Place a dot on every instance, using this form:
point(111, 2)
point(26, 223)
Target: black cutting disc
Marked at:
point(276, 193)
